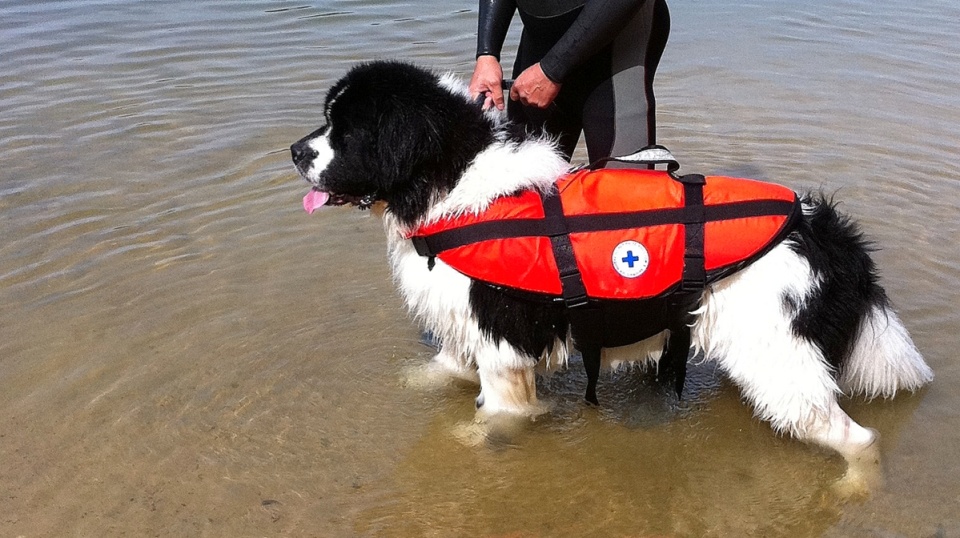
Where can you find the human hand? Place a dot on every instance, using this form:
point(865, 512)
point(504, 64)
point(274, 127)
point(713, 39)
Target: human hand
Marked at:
point(486, 80)
point(533, 88)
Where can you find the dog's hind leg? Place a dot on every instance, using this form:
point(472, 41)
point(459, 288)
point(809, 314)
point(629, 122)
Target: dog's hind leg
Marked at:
point(835, 429)
point(790, 385)
point(747, 326)
point(859, 446)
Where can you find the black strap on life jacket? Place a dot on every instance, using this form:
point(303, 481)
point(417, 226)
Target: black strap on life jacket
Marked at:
point(694, 272)
point(694, 278)
point(571, 281)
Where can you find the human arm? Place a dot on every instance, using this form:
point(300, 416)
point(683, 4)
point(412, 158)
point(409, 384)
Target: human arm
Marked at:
point(494, 20)
point(597, 25)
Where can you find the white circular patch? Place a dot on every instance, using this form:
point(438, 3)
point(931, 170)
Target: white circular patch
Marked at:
point(630, 259)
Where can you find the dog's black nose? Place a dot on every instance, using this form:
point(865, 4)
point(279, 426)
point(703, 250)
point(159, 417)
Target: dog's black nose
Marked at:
point(301, 152)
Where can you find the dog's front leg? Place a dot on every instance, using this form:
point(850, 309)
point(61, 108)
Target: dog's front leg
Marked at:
point(507, 382)
point(507, 390)
point(507, 401)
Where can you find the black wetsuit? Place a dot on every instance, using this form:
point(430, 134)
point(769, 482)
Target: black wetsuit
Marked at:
point(604, 52)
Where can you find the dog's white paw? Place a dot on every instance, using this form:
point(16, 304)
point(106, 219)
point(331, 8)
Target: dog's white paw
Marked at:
point(864, 474)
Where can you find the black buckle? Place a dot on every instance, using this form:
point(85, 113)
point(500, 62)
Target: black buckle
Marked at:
point(694, 275)
point(574, 292)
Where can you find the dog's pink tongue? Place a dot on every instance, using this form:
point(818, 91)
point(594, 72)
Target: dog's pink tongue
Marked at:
point(315, 199)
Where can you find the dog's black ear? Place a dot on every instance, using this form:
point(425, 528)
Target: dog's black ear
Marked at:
point(411, 140)
point(422, 135)
point(434, 136)
point(410, 152)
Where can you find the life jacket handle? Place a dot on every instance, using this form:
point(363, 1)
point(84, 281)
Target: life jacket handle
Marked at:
point(651, 156)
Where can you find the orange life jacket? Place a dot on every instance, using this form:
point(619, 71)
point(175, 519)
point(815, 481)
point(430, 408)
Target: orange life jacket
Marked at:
point(615, 234)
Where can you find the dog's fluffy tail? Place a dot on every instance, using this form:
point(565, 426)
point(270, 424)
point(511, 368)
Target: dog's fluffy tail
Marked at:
point(883, 359)
point(848, 313)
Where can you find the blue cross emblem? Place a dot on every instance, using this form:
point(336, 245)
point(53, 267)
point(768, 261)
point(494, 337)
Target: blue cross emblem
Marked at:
point(630, 259)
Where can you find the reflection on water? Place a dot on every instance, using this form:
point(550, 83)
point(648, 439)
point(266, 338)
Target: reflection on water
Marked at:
point(184, 352)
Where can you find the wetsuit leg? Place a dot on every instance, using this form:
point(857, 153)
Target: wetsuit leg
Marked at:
point(619, 115)
point(563, 118)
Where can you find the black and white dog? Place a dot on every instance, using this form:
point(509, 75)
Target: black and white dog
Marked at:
point(802, 325)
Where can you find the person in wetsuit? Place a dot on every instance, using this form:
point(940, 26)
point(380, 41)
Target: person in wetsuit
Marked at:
point(582, 65)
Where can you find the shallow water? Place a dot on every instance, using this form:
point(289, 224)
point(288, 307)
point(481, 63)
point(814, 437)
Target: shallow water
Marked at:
point(184, 352)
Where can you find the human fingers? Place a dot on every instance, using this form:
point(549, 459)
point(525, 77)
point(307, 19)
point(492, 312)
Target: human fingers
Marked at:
point(535, 88)
point(486, 80)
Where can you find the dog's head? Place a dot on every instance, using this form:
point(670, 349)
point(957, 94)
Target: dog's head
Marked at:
point(392, 132)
